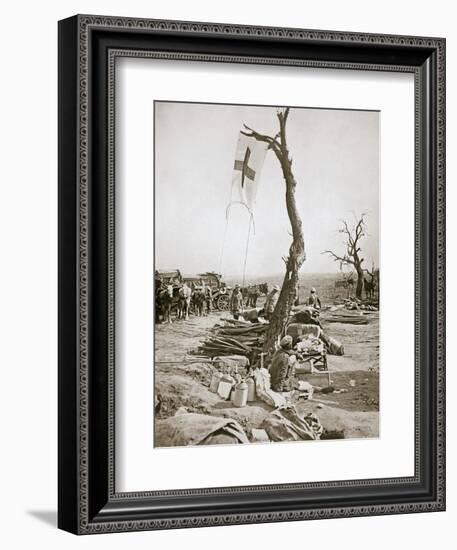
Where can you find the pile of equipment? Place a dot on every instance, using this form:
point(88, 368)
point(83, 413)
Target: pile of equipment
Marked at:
point(233, 383)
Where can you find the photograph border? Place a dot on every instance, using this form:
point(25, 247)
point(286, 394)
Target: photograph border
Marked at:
point(112, 99)
point(88, 48)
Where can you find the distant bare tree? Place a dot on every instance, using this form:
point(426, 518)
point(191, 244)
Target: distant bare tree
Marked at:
point(289, 290)
point(351, 257)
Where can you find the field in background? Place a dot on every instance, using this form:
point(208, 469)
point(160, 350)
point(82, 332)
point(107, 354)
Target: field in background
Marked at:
point(324, 283)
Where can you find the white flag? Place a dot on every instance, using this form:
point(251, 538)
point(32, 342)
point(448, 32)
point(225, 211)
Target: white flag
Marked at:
point(249, 159)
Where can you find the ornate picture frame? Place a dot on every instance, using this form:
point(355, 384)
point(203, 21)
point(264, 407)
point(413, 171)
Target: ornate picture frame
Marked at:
point(88, 48)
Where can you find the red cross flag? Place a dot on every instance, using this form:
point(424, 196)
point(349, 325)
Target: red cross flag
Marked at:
point(249, 159)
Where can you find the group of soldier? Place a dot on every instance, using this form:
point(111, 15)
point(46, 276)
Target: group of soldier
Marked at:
point(202, 300)
point(237, 305)
point(237, 308)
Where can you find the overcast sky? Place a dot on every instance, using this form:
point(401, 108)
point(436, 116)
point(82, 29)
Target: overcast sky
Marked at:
point(335, 161)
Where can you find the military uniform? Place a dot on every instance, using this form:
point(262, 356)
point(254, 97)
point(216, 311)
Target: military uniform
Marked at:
point(270, 303)
point(314, 301)
point(236, 303)
point(209, 299)
point(282, 372)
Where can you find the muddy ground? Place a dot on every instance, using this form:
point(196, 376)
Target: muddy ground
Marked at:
point(182, 380)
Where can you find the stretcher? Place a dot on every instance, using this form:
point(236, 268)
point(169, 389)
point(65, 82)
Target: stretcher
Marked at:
point(313, 364)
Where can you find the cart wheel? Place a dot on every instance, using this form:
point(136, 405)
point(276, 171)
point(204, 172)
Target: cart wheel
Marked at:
point(223, 302)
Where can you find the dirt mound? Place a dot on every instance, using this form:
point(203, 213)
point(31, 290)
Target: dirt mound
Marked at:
point(188, 386)
point(184, 387)
point(249, 417)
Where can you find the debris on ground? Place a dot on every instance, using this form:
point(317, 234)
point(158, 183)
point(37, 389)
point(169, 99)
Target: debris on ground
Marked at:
point(234, 338)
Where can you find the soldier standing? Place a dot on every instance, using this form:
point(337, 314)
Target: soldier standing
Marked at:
point(209, 299)
point(236, 302)
point(271, 301)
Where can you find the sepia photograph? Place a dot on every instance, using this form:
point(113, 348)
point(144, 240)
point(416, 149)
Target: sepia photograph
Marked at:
point(251, 273)
point(266, 274)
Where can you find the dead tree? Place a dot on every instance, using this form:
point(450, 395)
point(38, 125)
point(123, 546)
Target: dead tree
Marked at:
point(289, 290)
point(352, 255)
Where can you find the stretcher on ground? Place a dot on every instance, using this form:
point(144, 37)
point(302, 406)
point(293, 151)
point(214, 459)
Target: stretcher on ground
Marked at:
point(313, 364)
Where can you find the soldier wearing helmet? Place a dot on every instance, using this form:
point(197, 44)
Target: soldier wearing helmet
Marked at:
point(314, 299)
point(236, 302)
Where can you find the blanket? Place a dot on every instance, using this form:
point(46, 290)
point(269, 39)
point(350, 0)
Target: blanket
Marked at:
point(194, 429)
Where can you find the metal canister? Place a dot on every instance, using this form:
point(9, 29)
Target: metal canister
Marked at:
point(215, 379)
point(225, 386)
point(241, 394)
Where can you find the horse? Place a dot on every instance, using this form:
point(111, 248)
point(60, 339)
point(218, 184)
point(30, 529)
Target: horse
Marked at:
point(198, 301)
point(164, 302)
point(168, 298)
point(369, 287)
point(263, 288)
point(185, 295)
point(344, 283)
point(251, 293)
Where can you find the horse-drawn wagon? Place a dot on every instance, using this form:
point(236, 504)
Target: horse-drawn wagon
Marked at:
point(168, 277)
point(171, 295)
point(220, 292)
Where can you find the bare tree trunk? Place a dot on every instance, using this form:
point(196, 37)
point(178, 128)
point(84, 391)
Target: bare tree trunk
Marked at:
point(289, 289)
point(352, 257)
point(359, 287)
